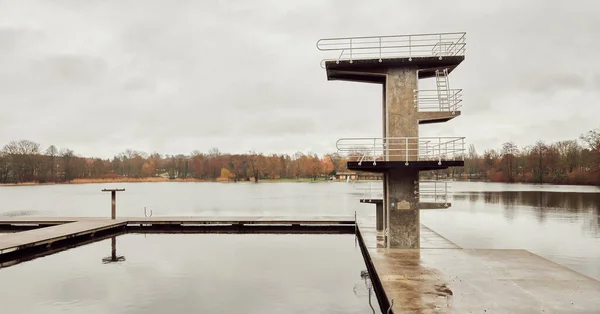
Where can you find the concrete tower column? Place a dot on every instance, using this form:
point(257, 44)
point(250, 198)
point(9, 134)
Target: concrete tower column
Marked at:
point(400, 114)
point(400, 121)
point(403, 213)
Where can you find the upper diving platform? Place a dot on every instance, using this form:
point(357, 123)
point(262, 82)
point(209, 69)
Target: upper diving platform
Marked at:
point(366, 59)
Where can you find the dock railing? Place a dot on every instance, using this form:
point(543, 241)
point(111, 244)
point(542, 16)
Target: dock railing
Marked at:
point(395, 46)
point(373, 149)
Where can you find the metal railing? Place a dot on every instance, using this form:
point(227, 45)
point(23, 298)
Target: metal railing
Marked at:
point(430, 191)
point(367, 189)
point(434, 191)
point(397, 46)
point(430, 100)
point(402, 149)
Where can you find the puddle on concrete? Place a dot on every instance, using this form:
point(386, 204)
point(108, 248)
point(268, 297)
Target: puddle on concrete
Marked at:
point(194, 273)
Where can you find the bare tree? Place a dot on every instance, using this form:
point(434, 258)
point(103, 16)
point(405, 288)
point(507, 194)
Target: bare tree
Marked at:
point(69, 167)
point(52, 164)
point(509, 152)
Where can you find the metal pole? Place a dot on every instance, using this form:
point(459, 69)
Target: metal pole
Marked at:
point(113, 248)
point(439, 149)
point(350, 50)
point(379, 49)
point(113, 212)
point(409, 48)
point(446, 192)
point(406, 147)
point(113, 199)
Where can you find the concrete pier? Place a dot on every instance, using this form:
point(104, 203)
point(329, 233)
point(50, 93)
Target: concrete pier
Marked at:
point(441, 277)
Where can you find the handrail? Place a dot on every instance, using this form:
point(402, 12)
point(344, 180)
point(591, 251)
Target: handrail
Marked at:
point(429, 100)
point(395, 46)
point(433, 191)
point(402, 148)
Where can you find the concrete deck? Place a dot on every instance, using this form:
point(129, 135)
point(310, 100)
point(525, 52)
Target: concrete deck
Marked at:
point(443, 278)
point(385, 166)
point(373, 70)
point(429, 117)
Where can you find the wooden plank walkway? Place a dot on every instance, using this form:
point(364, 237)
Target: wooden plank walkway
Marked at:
point(244, 220)
point(41, 221)
point(60, 228)
point(27, 239)
point(443, 278)
point(304, 220)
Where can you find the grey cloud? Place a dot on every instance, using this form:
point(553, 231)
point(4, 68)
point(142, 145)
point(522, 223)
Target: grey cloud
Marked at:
point(139, 84)
point(173, 77)
point(268, 125)
point(9, 39)
point(551, 82)
point(71, 69)
point(12, 39)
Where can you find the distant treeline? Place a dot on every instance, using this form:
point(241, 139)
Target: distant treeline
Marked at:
point(565, 162)
point(25, 161)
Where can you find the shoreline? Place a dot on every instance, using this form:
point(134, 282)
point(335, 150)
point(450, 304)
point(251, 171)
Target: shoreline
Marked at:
point(159, 179)
point(179, 180)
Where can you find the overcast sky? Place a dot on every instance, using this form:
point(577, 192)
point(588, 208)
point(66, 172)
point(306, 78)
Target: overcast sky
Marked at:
point(100, 77)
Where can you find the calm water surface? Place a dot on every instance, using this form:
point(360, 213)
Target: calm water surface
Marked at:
point(169, 273)
point(560, 223)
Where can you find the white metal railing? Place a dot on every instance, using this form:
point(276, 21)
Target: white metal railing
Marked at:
point(397, 46)
point(402, 149)
point(434, 191)
point(370, 190)
point(430, 191)
point(430, 100)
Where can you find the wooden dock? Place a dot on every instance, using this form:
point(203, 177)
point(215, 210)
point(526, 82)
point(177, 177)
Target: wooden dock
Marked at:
point(47, 235)
point(441, 277)
point(50, 230)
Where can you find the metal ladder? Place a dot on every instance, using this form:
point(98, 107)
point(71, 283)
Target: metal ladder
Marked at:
point(443, 89)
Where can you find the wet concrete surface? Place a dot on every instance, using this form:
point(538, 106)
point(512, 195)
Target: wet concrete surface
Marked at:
point(443, 278)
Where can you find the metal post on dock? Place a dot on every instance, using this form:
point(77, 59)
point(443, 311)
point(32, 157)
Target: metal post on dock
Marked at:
point(113, 196)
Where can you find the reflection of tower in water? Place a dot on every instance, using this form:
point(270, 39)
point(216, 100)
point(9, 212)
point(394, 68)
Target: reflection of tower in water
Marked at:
point(113, 258)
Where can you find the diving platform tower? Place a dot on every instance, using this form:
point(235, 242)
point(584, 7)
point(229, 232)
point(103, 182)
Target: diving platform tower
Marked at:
point(398, 63)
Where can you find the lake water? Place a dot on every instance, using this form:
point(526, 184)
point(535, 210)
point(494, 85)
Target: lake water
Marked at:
point(194, 273)
point(560, 223)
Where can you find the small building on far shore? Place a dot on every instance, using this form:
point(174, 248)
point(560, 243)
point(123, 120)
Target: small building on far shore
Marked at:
point(344, 175)
point(355, 175)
